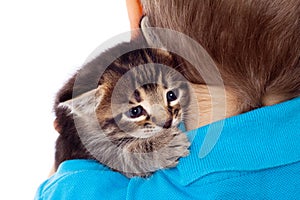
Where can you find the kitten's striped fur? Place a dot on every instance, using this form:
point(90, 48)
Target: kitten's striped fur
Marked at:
point(131, 144)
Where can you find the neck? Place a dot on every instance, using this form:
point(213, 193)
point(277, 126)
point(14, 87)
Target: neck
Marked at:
point(214, 103)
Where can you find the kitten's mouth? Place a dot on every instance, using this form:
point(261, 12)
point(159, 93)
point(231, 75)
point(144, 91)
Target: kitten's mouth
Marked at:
point(150, 133)
point(147, 132)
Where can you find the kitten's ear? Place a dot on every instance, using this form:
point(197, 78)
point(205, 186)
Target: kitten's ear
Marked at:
point(84, 104)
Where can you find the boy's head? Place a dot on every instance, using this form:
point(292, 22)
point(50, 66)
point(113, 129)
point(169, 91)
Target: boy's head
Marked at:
point(254, 43)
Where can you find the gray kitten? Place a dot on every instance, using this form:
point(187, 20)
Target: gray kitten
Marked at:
point(124, 111)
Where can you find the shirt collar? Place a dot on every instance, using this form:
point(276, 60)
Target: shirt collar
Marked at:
point(260, 139)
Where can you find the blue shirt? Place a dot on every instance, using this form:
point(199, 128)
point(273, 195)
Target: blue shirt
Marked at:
point(257, 156)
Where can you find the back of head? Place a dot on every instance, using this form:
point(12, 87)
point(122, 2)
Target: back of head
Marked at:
point(254, 43)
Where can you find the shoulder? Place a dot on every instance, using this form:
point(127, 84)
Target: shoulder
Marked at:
point(282, 182)
point(83, 179)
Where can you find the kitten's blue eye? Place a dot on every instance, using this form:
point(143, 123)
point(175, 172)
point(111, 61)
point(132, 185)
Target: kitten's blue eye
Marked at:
point(171, 96)
point(136, 112)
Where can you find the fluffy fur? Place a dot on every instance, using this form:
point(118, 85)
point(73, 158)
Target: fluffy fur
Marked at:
point(92, 111)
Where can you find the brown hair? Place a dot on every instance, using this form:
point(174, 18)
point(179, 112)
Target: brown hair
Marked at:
point(255, 43)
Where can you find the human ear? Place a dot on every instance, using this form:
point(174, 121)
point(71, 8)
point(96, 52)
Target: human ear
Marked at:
point(135, 13)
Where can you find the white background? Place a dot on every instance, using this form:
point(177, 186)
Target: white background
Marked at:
point(41, 45)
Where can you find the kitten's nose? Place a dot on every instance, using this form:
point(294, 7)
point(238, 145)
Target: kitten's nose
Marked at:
point(163, 123)
point(160, 116)
point(168, 124)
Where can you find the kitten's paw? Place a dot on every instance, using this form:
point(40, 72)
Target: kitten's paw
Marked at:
point(174, 150)
point(143, 157)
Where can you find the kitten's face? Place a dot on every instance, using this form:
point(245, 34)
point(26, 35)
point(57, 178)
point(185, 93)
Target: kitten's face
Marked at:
point(129, 108)
point(150, 108)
